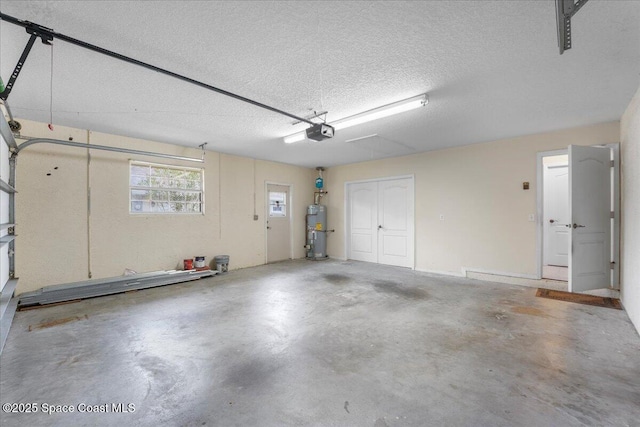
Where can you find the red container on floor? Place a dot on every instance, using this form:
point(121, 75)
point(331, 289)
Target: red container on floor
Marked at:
point(188, 264)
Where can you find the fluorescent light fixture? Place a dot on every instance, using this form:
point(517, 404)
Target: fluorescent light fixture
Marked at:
point(296, 137)
point(380, 112)
point(370, 115)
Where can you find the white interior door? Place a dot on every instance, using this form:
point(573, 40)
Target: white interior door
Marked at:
point(589, 209)
point(363, 221)
point(278, 223)
point(556, 214)
point(381, 222)
point(395, 222)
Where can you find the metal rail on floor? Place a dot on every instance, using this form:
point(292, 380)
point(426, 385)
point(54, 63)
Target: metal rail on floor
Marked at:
point(109, 286)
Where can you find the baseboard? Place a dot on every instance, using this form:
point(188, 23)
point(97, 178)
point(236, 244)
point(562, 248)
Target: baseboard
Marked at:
point(521, 280)
point(466, 271)
point(440, 273)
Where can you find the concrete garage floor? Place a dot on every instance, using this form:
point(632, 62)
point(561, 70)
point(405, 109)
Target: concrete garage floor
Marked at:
point(326, 343)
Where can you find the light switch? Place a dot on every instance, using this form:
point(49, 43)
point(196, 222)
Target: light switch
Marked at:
point(441, 217)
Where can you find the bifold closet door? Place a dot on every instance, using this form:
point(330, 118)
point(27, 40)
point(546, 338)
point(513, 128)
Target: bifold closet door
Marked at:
point(381, 221)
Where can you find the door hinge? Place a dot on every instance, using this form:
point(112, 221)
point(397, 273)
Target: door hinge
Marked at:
point(613, 264)
point(611, 163)
point(612, 215)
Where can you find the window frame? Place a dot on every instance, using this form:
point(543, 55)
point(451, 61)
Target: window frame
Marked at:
point(150, 188)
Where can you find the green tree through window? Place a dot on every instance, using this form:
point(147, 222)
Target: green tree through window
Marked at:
point(155, 188)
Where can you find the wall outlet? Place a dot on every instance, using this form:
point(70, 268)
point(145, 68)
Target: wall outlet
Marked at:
point(532, 218)
point(441, 217)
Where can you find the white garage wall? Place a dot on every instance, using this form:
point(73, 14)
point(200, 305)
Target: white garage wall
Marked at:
point(478, 189)
point(52, 210)
point(630, 272)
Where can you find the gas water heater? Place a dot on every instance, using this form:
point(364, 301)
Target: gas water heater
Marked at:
point(316, 223)
point(316, 231)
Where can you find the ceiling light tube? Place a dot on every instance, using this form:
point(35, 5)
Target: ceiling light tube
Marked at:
point(380, 112)
point(296, 137)
point(368, 116)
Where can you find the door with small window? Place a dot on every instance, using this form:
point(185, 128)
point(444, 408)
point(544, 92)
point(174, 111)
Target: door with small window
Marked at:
point(278, 222)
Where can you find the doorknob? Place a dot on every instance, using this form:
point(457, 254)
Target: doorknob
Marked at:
point(379, 227)
point(552, 221)
point(268, 228)
point(577, 225)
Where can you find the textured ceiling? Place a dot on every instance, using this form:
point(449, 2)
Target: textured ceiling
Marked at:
point(491, 68)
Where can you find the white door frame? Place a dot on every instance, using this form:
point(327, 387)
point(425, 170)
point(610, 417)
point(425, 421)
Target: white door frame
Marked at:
point(266, 217)
point(615, 241)
point(347, 212)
